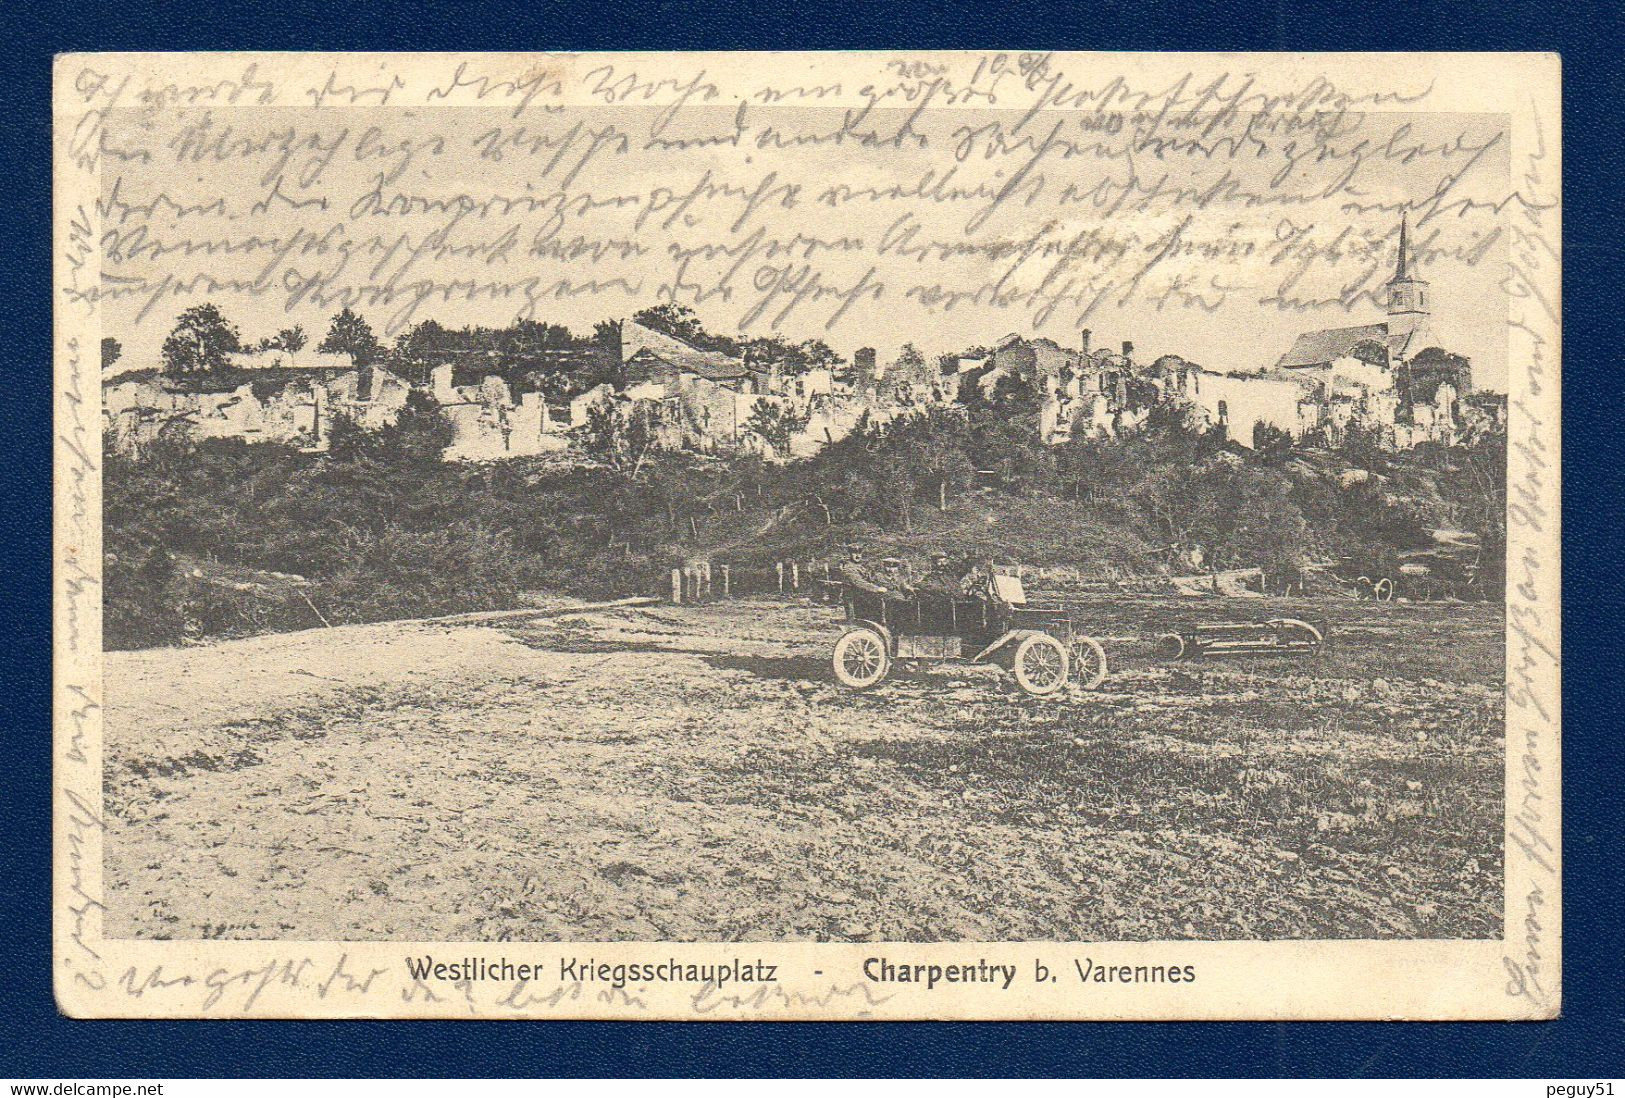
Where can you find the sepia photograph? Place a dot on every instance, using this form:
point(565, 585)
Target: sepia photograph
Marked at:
point(764, 502)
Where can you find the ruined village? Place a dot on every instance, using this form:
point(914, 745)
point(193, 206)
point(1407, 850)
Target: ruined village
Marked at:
point(530, 389)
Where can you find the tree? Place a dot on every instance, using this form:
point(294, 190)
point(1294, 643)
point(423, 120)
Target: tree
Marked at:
point(620, 434)
point(793, 359)
point(939, 467)
point(1420, 378)
point(776, 425)
point(1260, 524)
point(292, 339)
point(1371, 352)
point(1182, 506)
point(894, 491)
point(112, 351)
point(420, 434)
point(350, 334)
point(1271, 444)
point(202, 340)
point(819, 355)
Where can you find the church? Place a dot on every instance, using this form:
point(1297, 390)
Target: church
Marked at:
point(1391, 343)
point(1390, 377)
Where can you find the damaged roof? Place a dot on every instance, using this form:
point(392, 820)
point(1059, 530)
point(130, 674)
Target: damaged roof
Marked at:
point(1329, 344)
point(647, 365)
point(673, 352)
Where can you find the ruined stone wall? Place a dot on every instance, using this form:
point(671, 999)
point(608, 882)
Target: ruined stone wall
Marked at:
point(1241, 403)
point(296, 411)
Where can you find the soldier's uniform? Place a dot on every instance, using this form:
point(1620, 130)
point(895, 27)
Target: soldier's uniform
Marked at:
point(854, 572)
point(944, 578)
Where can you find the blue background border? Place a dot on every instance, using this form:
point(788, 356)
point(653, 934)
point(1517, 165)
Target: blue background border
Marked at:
point(1586, 1042)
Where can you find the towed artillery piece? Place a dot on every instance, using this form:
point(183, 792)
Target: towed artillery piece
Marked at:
point(1278, 635)
point(1043, 646)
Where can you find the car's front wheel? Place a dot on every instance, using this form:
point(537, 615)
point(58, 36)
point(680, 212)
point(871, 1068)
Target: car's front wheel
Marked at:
point(861, 659)
point(1041, 664)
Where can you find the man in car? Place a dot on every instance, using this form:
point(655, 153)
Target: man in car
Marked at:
point(944, 577)
point(854, 572)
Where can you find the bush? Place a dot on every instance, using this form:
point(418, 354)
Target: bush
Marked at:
point(379, 527)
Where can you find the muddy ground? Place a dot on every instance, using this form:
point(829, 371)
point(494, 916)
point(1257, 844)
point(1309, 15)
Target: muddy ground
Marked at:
point(694, 774)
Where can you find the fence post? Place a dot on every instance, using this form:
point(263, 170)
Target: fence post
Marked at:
point(707, 581)
point(779, 566)
point(795, 576)
point(676, 586)
point(725, 585)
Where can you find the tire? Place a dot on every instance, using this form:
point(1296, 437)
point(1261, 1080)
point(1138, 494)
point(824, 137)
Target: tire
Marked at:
point(1041, 664)
point(1170, 646)
point(1088, 663)
point(861, 659)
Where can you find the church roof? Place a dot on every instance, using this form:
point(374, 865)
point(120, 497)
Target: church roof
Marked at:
point(1405, 268)
point(1330, 344)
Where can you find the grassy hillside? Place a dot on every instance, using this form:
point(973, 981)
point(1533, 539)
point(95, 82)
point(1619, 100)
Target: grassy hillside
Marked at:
point(225, 538)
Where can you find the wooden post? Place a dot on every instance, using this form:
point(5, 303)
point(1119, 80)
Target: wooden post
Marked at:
point(707, 567)
point(726, 587)
point(795, 576)
point(779, 566)
point(676, 586)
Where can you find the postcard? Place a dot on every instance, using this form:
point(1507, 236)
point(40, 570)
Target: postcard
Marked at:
point(884, 535)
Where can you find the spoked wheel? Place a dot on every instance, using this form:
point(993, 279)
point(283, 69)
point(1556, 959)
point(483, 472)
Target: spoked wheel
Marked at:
point(1041, 664)
point(1088, 662)
point(861, 659)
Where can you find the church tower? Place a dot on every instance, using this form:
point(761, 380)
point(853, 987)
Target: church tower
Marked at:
point(1407, 294)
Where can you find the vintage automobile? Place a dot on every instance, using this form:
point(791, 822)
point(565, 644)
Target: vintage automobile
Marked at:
point(1041, 645)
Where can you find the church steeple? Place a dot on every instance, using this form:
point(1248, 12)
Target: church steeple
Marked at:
point(1407, 294)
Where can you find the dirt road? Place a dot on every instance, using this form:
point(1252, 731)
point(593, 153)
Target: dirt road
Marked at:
point(694, 774)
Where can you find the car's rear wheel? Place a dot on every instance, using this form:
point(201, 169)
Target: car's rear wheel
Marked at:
point(1041, 664)
point(1088, 662)
point(861, 659)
